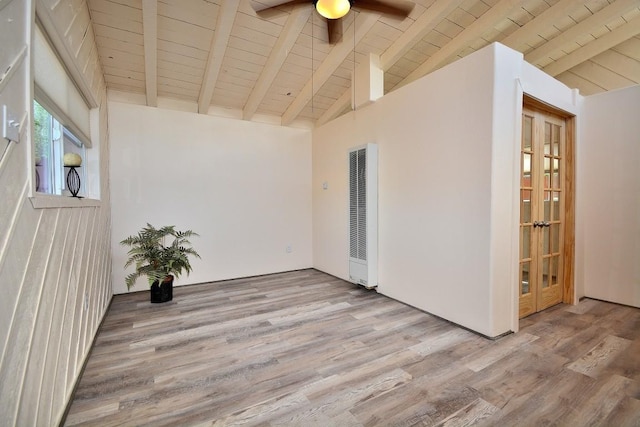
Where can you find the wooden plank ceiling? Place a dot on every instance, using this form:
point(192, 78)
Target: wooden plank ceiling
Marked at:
point(218, 53)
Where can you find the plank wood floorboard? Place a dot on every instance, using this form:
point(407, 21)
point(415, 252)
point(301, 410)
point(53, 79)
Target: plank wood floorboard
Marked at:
point(307, 349)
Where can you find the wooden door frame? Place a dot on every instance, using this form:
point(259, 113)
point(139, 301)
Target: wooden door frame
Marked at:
point(568, 285)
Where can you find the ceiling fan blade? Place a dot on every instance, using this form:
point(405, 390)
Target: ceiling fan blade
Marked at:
point(334, 27)
point(398, 8)
point(271, 11)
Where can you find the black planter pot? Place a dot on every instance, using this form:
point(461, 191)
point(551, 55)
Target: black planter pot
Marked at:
point(162, 292)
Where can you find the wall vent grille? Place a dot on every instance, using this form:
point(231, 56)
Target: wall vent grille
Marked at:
point(358, 204)
point(363, 206)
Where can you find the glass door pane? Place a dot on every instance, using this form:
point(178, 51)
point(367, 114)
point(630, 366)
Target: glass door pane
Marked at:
point(541, 217)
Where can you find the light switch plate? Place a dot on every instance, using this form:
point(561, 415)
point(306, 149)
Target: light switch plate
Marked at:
point(10, 125)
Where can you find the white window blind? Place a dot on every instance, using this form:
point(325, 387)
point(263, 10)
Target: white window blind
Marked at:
point(56, 91)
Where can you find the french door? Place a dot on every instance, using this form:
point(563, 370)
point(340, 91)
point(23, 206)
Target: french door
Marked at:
point(542, 202)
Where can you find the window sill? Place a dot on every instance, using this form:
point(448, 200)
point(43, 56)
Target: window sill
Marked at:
point(47, 201)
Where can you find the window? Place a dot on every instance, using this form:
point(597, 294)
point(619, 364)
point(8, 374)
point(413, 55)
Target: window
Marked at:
point(62, 122)
point(52, 141)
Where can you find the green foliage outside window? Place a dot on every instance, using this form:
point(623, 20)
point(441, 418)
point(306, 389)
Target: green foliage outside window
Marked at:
point(42, 133)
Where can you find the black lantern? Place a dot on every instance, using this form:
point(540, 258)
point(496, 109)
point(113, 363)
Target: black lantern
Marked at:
point(73, 162)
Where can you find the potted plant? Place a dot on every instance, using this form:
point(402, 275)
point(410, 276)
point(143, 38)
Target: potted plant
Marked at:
point(158, 259)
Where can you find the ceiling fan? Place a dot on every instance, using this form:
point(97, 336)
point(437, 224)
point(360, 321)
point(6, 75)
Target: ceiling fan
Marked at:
point(334, 10)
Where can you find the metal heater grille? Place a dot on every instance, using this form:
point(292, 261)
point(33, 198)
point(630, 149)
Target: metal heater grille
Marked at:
point(358, 204)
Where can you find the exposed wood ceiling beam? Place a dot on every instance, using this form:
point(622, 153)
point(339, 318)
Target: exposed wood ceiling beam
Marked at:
point(596, 47)
point(602, 76)
point(150, 40)
point(292, 29)
point(337, 55)
point(514, 40)
point(604, 15)
point(429, 19)
point(417, 31)
point(582, 43)
point(224, 24)
point(335, 109)
point(573, 80)
point(480, 26)
point(532, 28)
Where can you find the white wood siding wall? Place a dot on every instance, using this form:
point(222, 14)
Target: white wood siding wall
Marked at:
point(50, 259)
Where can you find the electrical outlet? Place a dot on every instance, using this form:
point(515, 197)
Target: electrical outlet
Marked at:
point(289, 249)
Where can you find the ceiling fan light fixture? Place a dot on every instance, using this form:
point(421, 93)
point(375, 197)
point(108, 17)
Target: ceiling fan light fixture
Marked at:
point(333, 9)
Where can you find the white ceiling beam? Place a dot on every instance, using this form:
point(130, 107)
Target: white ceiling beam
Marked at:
point(417, 31)
point(150, 40)
point(575, 81)
point(480, 26)
point(333, 60)
point(596, 47)
point(422, 26)
point(601, 75)
point(287, 39)
point(532, 28)
point(335, 109)
point(595, 21)
point(224, 24)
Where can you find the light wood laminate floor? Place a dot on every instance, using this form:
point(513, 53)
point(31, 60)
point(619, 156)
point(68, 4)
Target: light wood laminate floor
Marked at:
point(304, 348)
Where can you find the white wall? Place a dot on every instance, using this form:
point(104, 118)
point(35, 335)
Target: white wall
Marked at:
point(538, 84)
point(608, 197)
point(448, 188)
point(505, 188)
point(53, 260)
point(244, 187)
point(434, 139)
